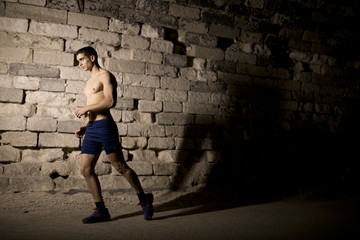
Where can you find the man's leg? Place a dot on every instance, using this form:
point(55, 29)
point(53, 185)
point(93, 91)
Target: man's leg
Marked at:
point(101, 213)
point(87, 168)
point(117, 160)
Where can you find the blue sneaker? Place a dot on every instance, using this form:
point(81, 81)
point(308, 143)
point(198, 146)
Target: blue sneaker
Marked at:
point(97, 216)
point(147, 206)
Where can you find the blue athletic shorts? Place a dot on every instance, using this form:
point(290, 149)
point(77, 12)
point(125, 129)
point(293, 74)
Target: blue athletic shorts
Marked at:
point(101, 134)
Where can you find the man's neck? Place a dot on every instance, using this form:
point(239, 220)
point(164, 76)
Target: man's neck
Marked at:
point(95, 69)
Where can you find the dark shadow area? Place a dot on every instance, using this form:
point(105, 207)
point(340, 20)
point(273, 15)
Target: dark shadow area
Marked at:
point(260, 161)
point(115, 85)
point(197, 203)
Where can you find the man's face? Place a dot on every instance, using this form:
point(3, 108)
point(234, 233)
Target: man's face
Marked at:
point(85, 62)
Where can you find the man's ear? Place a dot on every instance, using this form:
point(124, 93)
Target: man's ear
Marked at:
point(92, 58)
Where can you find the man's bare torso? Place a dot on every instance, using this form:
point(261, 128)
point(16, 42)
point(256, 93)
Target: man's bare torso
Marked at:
point(94, 93)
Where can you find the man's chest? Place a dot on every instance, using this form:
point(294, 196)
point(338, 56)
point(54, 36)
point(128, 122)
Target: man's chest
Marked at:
point(93, 86)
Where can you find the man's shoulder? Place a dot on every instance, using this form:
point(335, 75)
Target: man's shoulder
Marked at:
point(104, 74)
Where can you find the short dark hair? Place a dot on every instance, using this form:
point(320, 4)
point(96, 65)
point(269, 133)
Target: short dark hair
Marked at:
point(88, 51)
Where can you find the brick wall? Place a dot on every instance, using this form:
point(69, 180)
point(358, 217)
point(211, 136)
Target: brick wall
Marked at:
point(247, 93)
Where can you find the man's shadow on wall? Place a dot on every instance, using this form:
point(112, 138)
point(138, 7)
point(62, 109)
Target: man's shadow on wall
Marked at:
point(258, 161)
point(233, 172)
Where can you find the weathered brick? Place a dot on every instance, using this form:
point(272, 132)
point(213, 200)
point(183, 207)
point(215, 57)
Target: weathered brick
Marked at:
point(188, 73)
point(53, 58)
point(150, 106)
point(31, 41)
point(35, 12)
point(32, 184)
point(161, 70)
point(74, 73)
point(119, 26)
point(9, 154)
point(75, 86)
point(27, 83)
point(73, 45)
point(235, 55)
point(19, 139)
point(251, 37)
point(116, 114)
point(123, 54)
point(41, 124)
point(172, 156)
point(92, 35)
point(128, 116)
point(170, 95)
point(13, 24)
point(85, 20)
point(172, 106)
point(175, 83)
point(52, 85)
point(15, 54)
point(142, 168)
point(151, 130)
point(49, 98)
point(3, 70)
point(42, 155)
point(9, 109)
point(20, 69)
point(138, 92)
point(141, 80)
point(149, 31)
point(53, 30)
point(208, 109)
point(193, 26)
point(61, 168)
point(176, 60)
point(206, 76)
point(4, 181)
point(201, 39)
point(12, 123)
point(146, 56)
point(123, 103)
point(163, 20)
point(133, 142)
point(58, 140)
point(156, 182)
point(160, 45)
point(69, 126)
point(141, 155)
point(165, 169)
point(34, 2)
point(184, 11)
point(6, 81)
point(206, 53)
point(300, 56)
point(185, 143)
point(160, 143)
point(118, 65)
point(136, 42)
point(174, 119)
point(224, 31)
point(11, 95)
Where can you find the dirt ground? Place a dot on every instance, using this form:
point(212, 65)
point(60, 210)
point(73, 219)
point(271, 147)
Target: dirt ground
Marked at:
point(177, 215)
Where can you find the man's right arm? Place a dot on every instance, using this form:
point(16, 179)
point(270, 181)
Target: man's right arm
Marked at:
point(81, 130)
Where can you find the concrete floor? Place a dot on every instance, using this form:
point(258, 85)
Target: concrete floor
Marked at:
point(194, 217)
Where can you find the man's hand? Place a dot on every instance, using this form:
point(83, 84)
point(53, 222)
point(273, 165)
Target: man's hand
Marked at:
point(80, 111)
point(80, 132)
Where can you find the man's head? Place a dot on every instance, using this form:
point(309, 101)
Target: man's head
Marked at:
point(87, 57)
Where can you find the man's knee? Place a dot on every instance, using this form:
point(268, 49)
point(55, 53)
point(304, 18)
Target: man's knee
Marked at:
point(123, 169)
point(86, 171)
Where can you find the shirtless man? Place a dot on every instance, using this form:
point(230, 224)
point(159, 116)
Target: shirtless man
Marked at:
point(101, 132)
